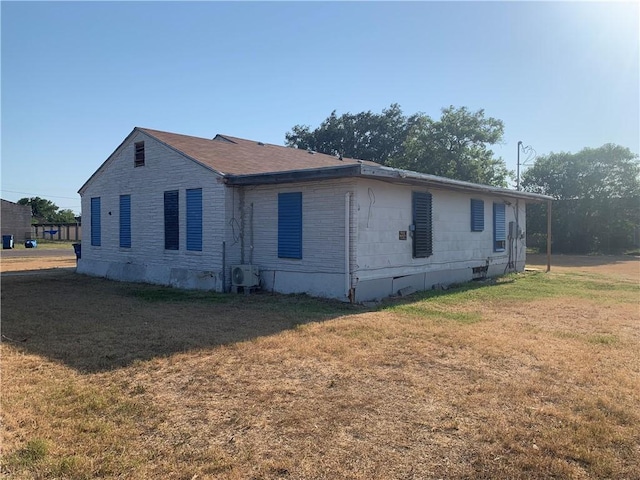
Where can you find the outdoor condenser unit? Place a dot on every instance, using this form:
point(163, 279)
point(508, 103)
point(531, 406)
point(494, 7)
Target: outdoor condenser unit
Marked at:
point(245, 276)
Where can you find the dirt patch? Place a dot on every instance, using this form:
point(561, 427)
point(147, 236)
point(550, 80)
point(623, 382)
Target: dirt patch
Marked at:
point(26, 264)
point(618, 265)
point(34, 259)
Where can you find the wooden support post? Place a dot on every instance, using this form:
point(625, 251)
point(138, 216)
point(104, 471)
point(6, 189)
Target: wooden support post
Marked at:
point(548, 235)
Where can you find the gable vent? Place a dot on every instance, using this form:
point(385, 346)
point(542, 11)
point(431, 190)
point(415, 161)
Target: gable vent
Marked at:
point(221, 138)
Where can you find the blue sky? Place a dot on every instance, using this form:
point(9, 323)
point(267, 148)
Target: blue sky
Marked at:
point(77, 77)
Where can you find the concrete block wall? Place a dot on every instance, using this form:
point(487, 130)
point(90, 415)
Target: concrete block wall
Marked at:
point(321, 270)
point(385, 262)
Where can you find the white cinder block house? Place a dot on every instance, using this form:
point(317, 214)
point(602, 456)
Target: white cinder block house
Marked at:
point(224, 213)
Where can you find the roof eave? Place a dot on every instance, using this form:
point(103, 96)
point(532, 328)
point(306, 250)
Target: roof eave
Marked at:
point(385, 174)
point(408, 177)
point(306, 175)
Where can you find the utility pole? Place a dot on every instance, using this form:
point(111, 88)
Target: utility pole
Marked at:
point(518, 171)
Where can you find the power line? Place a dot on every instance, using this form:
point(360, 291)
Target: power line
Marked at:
point(39, 195)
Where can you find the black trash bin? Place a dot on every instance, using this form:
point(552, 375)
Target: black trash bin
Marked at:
point(77, 248)
point(7, 241)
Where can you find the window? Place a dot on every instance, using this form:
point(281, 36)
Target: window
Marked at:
point(171, 218)
point(290, 225)
point(125, 221)
point(477, 215)
point(499, 230)
point(139, 156)
point(194, 219)
point(422, 225)
point(95, 221)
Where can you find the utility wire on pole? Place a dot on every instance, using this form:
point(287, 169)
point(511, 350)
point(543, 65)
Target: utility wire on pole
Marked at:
point(531, 155)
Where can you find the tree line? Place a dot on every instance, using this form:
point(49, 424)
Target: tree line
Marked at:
point(597, 190)
point(597, 206)
point(45, 211)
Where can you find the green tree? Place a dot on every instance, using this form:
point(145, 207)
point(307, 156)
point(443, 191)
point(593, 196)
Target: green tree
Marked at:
point(455, 146)
point(365, 135)
point(598, 198)
point(45, 211)
point(66, 216)
point(606, 172)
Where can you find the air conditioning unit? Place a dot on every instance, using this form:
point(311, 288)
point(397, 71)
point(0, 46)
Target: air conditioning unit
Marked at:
point(245, 276)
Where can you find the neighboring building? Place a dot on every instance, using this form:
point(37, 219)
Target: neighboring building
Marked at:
point(16, 220)
point(179, 210)
point(58, 231)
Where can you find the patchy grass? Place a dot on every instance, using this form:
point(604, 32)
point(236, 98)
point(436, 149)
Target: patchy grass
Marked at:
point(33, 452)
point(167, 294)
point(532, 376)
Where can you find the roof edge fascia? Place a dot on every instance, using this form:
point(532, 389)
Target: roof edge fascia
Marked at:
point(385, 174)
point(396, 175)
point(306, 175)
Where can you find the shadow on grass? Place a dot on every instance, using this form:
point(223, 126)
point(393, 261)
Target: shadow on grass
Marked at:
point(93, 324)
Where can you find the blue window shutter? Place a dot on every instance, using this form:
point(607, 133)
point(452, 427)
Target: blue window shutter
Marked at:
point(171, 220)
point(95, 222)
point(477, 215)
point(194, 219)
point(290, 225)
point(499, 228)
point(125, 221)
point(422, 225)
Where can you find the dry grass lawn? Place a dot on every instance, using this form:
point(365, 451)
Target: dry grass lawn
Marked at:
point(21, 264)
point(534, 376)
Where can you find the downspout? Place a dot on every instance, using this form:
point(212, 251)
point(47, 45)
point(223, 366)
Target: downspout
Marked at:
point(517, 236)
point(241, 208)
point(224, 267)
point(251, 235)
point(347, 243)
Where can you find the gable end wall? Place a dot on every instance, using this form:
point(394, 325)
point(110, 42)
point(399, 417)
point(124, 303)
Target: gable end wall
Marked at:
point(147, 260)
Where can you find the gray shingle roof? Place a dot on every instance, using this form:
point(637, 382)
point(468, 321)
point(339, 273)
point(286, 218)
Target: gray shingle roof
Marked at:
point(237, 156)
